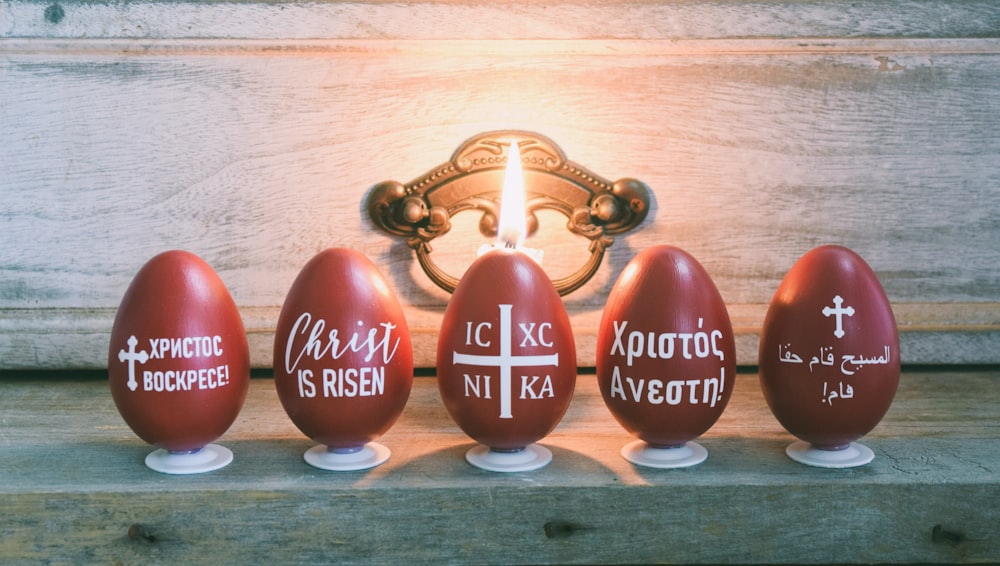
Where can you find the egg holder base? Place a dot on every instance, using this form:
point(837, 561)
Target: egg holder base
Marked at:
point(852, 456)
point(366, 457)
point(207, 459)
point(642, 454)
point(531, 457)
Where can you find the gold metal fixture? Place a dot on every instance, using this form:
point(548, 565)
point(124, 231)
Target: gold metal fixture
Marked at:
point(596, 208)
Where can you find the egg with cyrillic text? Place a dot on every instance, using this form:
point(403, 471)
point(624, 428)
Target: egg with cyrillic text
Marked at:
point(829, 349)
point(178, 361)
point(506, 358)
point(666, 356)
point(343, 361)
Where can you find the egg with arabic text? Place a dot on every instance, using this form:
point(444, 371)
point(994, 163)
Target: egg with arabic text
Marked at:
point(506, 357)
point(178, 361)
point(666, 356)
point(343, 360)
point(829, 349)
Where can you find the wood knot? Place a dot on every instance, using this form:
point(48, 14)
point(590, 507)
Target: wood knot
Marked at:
point(54, 13)
point(561, 529)
point(141, 533)
point(940, 535)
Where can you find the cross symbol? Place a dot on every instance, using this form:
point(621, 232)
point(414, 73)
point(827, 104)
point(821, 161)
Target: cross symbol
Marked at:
point(839, 312)
point(132, 356)
point(505, 361)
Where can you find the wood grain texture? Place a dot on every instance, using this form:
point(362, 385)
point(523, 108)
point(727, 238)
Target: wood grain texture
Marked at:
point(75, 488)
point(465, 19)
point(763, 128)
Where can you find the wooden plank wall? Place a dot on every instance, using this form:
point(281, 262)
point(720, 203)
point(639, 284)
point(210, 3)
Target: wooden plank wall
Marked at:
point(250, 133)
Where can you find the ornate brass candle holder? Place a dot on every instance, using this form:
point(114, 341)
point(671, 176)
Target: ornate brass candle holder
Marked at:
point(596, 208)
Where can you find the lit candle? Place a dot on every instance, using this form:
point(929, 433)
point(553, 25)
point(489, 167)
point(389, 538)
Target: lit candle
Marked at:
point(512, 224)
point(513, 228)
point(506, 358)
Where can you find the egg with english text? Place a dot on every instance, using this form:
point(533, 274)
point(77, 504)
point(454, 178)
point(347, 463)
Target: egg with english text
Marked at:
point(506, 357)
point(666, 357)
point(178, 361)
point(829, 350)
point(343, 360)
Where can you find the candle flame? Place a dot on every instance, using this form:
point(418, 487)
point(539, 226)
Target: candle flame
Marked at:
point(513, 225)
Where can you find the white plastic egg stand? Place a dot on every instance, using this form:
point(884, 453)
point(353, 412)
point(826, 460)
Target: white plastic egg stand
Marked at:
point(851, 456)
point(531, 457)
point(347, 459)
point(206, 459)
point(641, 453)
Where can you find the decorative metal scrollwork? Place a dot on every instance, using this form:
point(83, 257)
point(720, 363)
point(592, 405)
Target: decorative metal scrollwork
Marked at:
point(596, 208)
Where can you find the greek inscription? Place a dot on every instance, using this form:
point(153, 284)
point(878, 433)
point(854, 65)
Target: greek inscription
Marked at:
point(637, 344)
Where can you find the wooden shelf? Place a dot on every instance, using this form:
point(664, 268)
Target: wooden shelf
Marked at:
point(75, 488)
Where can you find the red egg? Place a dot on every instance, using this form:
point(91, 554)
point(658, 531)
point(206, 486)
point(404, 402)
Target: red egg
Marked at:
point(178, 361)
point(506, 358)
point(829, 349)
point(343, 360)
point(666, 356)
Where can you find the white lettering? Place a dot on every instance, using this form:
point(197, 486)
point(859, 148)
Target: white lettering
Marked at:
point(617, 390)
point(353, 382)
point(307, 389)
point(528, 384)
point(659, 392)
point(478, 334)
point(307, 339)
point(637, 344)
point(186, 347)
point(473, 389)
point(185, 380)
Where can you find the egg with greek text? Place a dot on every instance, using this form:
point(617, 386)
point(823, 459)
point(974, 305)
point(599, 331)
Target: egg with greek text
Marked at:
point(343, 360)
point(666, 356)
point(178, 361)
point(506, 357)
point(829, 349)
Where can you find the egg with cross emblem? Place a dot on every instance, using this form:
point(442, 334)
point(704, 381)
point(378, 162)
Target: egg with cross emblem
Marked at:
point(829, 356)
point(179, 362)
point(506, 360)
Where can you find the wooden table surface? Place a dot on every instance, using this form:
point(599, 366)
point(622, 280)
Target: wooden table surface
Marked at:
point(75, 489)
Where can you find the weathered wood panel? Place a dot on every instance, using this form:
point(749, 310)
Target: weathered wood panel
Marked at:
point(763, 128)
point(466, 19)
point(75, 489)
